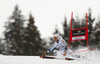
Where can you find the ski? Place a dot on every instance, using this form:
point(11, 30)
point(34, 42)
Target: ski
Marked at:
point(53, 57)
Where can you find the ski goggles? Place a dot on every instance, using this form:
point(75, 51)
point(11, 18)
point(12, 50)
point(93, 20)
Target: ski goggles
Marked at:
point(55, 38)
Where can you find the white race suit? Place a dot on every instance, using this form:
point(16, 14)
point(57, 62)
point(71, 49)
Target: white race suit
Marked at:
point(59, 47)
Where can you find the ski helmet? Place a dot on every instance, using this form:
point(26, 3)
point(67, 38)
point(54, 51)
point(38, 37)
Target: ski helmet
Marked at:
point(57, 36)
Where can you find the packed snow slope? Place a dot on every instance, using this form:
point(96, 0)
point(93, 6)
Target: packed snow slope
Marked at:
point(94, 58)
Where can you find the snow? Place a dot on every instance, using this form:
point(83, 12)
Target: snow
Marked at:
point(94, 59)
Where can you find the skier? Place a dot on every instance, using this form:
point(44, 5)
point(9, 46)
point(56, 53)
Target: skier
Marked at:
point(60, 47)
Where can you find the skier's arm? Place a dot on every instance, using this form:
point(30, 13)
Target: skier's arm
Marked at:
point(51, 48)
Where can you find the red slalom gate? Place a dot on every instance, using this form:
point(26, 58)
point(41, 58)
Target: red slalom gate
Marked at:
point(79, 34)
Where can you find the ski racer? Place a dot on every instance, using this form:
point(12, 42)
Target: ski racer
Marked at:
point(60, 47)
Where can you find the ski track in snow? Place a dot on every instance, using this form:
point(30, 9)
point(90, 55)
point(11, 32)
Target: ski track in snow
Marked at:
point(94, 58)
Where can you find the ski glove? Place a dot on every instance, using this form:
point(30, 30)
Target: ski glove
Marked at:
point(45, 53)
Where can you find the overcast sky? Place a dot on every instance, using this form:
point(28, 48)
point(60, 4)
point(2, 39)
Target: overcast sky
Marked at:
point(48, 13)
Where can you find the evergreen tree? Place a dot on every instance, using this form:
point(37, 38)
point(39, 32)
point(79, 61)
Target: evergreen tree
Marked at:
point(32, 37)
point(96, 36)
point(13, 32)
point(66, 30)
point(90, 20)
point(90, 27)
point(97, 26)
point(83, 23)
point(75, 23)
point(1, 46)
